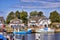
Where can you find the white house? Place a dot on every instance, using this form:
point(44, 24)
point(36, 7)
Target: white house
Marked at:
point(44, 22)
point(16, 22)
point(33, 21)
point(38, 21)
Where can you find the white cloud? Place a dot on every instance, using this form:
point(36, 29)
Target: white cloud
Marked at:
point(38, 0)
point(44, 4)
point(29, 0)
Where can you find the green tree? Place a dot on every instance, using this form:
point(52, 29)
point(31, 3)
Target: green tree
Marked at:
point(58, 18)
point(54, 16)
point(40, 13)
point(17, 14)
point(33, 13)
point(23, 16)
point(10, 17)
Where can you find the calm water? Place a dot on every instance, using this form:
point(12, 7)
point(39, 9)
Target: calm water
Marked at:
point(43, 36)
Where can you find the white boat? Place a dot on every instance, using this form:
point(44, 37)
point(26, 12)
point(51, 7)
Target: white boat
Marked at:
point(45, 30)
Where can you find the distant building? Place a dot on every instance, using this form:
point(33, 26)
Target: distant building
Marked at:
point(1, 21)
point(56, 24)
point(38, 21)
point(16, 22)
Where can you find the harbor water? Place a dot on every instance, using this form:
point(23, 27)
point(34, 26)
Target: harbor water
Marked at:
point(42, 36)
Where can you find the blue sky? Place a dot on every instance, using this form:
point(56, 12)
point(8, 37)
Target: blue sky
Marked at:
point(46, 6)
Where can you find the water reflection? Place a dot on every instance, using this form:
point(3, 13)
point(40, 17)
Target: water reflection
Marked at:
point(42, 36)
point(45, 36)
point(57, 36)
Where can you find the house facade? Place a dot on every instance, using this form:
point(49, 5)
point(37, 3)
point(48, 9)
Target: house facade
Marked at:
point(56, 24)
point(33, 21)
point(16, 22)
point(38, 21)
point(1, 21)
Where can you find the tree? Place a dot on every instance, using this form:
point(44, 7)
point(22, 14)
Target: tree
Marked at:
point(33, 13)
point(10, 17)
point(40, 13)
point(54, 16)
point(17, 14)
point(58, 18)
point(23, 16)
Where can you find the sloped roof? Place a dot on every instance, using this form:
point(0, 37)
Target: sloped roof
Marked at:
point(16, 21)
point(35, 18)
point(56, 23)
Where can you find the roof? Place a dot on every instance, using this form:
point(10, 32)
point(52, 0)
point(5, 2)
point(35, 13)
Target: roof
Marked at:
point(35, 18)
point(56, 23)
point(16, 21)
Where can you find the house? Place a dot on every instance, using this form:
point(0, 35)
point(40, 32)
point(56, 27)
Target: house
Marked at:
point(1, 21)
point(33, 21)
point(16, 22)
point(38, 21)
point(56, 24)
point(44, 22)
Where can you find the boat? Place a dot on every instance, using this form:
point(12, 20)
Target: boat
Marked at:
point(45, 30)
point(18, 35)
point(2, 37)
point(22, 32)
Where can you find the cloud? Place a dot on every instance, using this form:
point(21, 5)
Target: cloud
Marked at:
point(39, 0)
point(29, 0)
point(41, 4)
point(50, 5)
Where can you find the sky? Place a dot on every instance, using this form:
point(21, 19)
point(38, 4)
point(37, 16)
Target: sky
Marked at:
point(46, 6)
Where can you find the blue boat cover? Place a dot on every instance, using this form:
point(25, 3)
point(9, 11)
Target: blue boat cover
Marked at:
point(2, 37)
point(46, 28)
point(23, 32)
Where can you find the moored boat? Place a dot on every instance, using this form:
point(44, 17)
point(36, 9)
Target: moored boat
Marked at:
point(45, 30)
